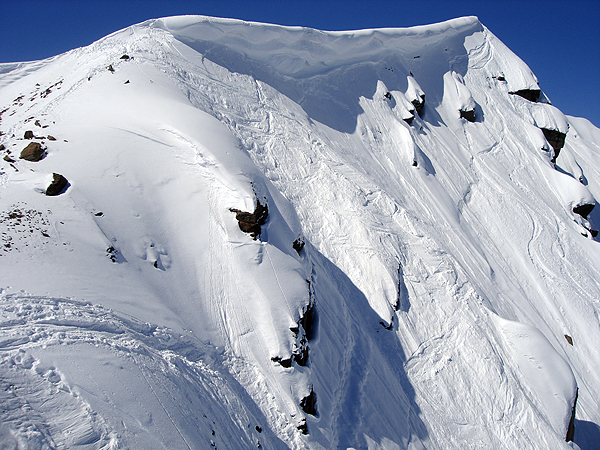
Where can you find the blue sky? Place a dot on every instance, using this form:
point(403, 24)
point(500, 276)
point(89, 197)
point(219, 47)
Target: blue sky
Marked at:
point(558, 39)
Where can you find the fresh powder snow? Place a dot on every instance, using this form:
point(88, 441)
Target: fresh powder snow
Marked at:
point(235, 235)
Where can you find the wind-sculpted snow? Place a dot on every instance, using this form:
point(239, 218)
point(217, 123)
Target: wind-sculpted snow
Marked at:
point(446, 292)
point(76, 375)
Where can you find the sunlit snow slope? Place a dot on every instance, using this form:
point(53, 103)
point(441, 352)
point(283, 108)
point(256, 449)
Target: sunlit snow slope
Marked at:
point(278, 237)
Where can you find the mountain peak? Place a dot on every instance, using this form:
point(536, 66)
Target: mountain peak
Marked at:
point(280, 237)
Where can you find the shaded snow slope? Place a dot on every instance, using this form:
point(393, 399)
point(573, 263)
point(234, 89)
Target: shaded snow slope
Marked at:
point(426, 276)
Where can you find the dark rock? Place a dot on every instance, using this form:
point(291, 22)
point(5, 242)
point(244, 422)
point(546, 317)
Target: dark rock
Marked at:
point(300, 355)
point(308, 320)
point(127, 82)
point(298, 245)
point(500, 78)
point(569, 339)
point(251, 222)
point(583, 210)
point(2, 147)
point(111, 69)
point(309, 403)
point(303, 427)
point(257, 428)
point(468, 114)
point(38, 124)
point(111, 252)
point(419, 104)
point(125, 57)
point(529, 94)
point(8, 159)
point(284, 362)
point(58, 184)
point(388, 95)
point(33, 152)
point(415, 163)
point(409, 120)
point(556, 139)
point(389, 326)
point(28, 135)
point(51, 138)
point(571, 428)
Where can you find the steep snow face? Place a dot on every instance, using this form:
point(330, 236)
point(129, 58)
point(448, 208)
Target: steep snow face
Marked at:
point(418, 264)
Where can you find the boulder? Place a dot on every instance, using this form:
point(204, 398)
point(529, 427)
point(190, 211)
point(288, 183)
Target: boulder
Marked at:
point(51, 138)
point(58, 184)
point(251, 222)
point(529, 94)
point(28, 135)
point(33, 152)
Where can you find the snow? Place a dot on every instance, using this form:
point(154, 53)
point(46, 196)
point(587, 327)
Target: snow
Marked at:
point(443, 257)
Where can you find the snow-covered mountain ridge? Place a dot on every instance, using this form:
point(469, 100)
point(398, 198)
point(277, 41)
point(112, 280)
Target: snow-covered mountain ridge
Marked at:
point(281, 237)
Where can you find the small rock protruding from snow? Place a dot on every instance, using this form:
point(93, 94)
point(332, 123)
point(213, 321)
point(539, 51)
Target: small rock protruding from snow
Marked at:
point(251, 222)
point(59, 183)
point(571, 427)
point(298, 245)
point(528, 94)
point(28, 135)
point(309, 403)
point(584, 209)
point(303, 427)
point(553, 124)
point(459, 96)
point(415, 94)
point(556, 139)
point(34, 152)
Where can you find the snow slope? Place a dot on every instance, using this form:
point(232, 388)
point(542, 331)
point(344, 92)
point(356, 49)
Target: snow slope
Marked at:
point(441, 271)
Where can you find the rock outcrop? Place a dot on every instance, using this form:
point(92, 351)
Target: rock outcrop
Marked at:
point(556, 139)
point(529, 94)
point(468, 114)
point(298, 245)
point(309, 403)
point(571, 428)
point(33, 152)
point(251, 222)
point(584, 210)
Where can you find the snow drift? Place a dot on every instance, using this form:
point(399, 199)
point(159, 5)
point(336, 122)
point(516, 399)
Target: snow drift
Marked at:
point(281, 237)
